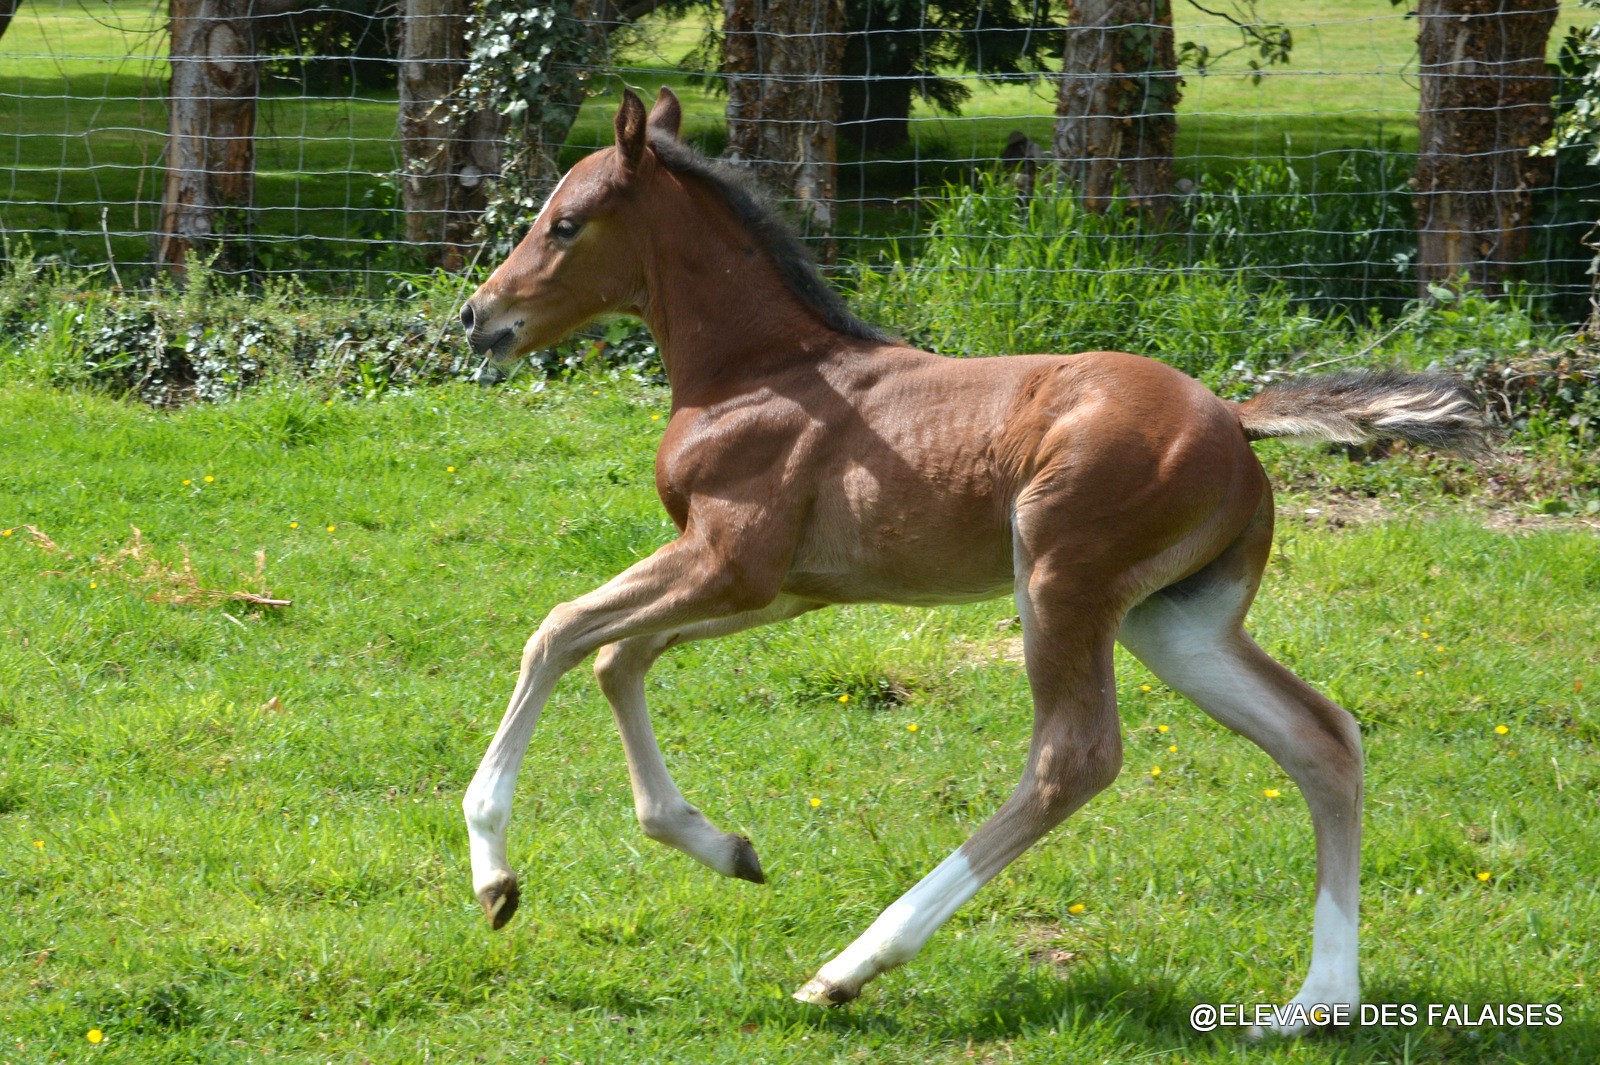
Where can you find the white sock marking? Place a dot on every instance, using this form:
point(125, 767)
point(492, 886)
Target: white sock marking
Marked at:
point(902, 929)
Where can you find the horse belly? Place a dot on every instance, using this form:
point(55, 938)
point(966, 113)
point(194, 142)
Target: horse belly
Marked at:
point(860, 547)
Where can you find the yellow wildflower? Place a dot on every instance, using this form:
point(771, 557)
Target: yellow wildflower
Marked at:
point(1500, 730)
point(1271, 793)
point(1155, 771)
point(815, 802)
point(95, 1035)
point(1484, 876)
point(1075, 909)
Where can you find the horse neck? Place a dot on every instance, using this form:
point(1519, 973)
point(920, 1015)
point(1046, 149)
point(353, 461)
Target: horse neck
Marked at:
point(718, 306)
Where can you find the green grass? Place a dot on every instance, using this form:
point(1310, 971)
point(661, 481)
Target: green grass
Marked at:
point(208, 876)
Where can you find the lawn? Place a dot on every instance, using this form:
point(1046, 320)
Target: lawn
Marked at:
point(231, 833)
point(81, 92)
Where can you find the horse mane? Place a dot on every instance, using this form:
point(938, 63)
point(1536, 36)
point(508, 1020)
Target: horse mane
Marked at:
point(756, 212)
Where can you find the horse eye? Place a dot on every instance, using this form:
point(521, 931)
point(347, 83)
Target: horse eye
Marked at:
point(565, 229)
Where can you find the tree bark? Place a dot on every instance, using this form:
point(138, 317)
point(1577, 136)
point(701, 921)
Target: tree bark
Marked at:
point(446, 159)
point(782, 61)
point(211, 129)
point(1485, 102)
point(1115, 110)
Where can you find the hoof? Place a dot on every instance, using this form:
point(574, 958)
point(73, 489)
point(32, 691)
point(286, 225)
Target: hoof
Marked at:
point(746, 866)
point(818, 992)
point(499, 900)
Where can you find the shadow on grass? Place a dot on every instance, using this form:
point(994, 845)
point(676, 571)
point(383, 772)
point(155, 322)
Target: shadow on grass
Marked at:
point(1128, 1010)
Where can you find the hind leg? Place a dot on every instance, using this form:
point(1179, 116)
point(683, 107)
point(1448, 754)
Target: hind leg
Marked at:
point(1192, 637)
point(1075, 752)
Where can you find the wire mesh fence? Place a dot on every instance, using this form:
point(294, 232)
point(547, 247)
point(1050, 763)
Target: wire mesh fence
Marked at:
point(1291, 155)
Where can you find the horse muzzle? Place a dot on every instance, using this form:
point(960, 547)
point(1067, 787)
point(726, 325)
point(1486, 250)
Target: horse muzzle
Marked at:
point(497, 344)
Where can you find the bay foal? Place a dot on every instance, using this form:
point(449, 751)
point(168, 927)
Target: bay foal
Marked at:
point(811, 459)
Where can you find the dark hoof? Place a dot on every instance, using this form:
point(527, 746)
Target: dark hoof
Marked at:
point(499, 901)
point(819, 992)
point(746, 866)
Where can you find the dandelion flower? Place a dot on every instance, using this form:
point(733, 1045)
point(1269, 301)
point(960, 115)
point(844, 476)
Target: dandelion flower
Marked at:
point(1420, 673)
point(94, 584)
point(1162, 728)
point(1075, 909)
point(1484, 876)
point(294, 525)
point(1144, 687)
point(449, 469)
point(911, 727)
point(1155, 771)
point(845, 698)
point(8, 533)
point(815, 802)
point(1425, 636)
point(1272, 793)
point(208, 478)
point(187, 482)
point(39, 843)
point(1172, 748)
point(95, 1035)
point(1500, 730)
point(655, 417)
point(1438, 648)
point(332, 527)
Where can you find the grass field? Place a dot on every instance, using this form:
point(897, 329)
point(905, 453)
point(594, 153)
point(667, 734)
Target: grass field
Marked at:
point(81, 95)
point(232, 834)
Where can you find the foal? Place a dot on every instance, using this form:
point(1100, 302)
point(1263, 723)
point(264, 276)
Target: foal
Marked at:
point(811, 459)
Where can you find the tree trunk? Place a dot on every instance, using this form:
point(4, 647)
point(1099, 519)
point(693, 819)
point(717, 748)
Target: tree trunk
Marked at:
point(446, 158)
point(1115, 121)
point(1485, 102)
point(782, 61)
point(211, 131)
point(8, 8)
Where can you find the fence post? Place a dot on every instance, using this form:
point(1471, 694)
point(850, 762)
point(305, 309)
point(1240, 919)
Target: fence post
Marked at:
point(1115, 108)
point(447, 157)
point(1485, 102)
point(210, 178)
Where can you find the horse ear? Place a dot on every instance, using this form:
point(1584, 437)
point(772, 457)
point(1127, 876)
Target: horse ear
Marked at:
point(630, 131)
point(667, 114)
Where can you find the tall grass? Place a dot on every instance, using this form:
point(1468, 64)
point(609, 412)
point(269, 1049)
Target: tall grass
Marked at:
point(999, 274)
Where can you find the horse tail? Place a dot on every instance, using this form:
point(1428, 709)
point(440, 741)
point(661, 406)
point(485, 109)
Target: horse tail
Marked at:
point(1362, 407)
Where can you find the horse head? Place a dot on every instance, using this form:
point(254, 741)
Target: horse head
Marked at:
point(576, 262)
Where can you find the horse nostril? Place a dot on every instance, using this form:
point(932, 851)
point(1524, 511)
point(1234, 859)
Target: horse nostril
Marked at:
point(468, 316)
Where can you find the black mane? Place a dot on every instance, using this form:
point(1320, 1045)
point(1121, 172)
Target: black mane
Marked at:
point(772, 233)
